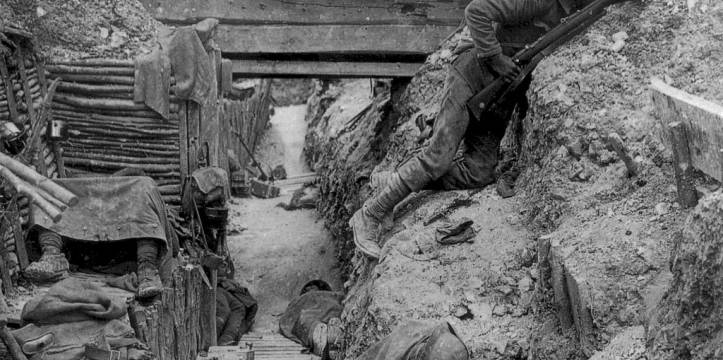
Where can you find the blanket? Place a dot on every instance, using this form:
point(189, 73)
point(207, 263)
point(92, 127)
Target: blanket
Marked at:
point(112, 209)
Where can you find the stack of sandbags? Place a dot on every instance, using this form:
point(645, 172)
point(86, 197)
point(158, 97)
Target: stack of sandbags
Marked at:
point(108, 131)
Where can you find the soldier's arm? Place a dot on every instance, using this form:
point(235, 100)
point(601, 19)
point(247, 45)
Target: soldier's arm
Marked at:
point(481, 15)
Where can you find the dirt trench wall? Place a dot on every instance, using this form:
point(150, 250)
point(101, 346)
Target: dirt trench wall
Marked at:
point(600, 240)
point(687, 323)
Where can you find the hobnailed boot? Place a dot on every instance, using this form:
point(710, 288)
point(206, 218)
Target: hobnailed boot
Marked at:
point(365, 222)
point(506, 183)
point(52, 265)
point(149, 282)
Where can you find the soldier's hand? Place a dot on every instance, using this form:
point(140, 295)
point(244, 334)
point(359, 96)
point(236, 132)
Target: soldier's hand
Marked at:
point(504, 67)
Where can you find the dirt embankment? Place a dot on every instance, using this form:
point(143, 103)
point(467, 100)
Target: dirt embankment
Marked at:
point(118, 29)
point(591, 261)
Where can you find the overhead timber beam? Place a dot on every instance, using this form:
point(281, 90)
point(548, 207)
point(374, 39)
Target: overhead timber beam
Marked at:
point(318, 12)
point(322, 69)
point(331, 39)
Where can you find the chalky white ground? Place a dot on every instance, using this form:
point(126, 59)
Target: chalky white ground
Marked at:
point(279, 251)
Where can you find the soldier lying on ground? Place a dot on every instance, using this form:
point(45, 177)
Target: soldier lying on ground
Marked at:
point(419, 340)
point(235, 311)
point(312, 319)
point(499, 29)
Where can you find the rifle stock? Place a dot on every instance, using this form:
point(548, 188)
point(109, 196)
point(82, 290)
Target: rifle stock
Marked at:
point(532, 54)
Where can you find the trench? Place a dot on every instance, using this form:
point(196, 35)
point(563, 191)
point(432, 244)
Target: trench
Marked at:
point(278, 251)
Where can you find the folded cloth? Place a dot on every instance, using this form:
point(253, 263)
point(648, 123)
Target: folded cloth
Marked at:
point(69, 340)
point(456, 232)
point(71, 300)
point(190, 63)
point(152, 83)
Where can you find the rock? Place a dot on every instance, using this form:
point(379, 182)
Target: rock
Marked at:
point(662, 208)
point(577, 148)
point(104, 33)
point(500, 310)
point(461, 311)
point(525, 284)
point(481, 311)
point(504, 289)
point(620, 36)
point(40, 12)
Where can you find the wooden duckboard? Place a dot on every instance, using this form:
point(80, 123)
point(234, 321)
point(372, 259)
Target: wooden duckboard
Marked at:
point(703, 120)
point(264, 346)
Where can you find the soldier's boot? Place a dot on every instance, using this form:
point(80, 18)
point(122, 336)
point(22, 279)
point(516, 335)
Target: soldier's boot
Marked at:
point(378, 181)
point(149, 281)
point(506, 184)
point(52, 265)
point(365, 222)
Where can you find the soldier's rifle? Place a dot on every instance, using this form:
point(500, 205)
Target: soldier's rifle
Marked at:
point(532, 54)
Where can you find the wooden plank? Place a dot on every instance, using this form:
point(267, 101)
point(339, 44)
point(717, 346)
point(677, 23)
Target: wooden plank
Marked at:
point(323, 69)
point(19, 235)
point(332, 39)
point(352, 12)
point(703, 120)
point(183, 141)
point(682, 164)
point(193, 120)
point(9, 94)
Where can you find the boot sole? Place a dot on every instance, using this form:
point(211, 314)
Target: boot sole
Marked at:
point(370, 250)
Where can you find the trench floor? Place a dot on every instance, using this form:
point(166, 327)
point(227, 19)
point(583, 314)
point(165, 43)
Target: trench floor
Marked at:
point(278, 251)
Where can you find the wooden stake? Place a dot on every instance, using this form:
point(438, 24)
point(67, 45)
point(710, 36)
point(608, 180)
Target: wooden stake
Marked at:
point(619, 147)
point(7, 337)
point(10, 95)
point(683, 165)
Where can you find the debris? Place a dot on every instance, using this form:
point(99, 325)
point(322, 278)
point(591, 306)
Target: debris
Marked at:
point(279, 172)
point(619, 147)
point(662, 208)
point(264, 190)
point(455, 233)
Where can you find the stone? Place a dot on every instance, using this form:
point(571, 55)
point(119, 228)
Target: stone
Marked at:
point(525, 284)
point(662, 208)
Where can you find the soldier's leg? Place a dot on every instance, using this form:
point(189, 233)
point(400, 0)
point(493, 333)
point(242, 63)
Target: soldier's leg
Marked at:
point(476, 167)
point(149, 281)
point(52, 264)
point(434, 161)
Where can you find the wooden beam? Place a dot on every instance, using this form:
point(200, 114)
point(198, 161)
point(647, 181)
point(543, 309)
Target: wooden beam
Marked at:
point(332, 39)
point(322, 69)
point(703, 121)
point(353, 12)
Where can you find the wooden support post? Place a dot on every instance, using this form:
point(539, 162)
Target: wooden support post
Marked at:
point(10, 95)
point(683, 165)
point(20, 250)
point(5, 335)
